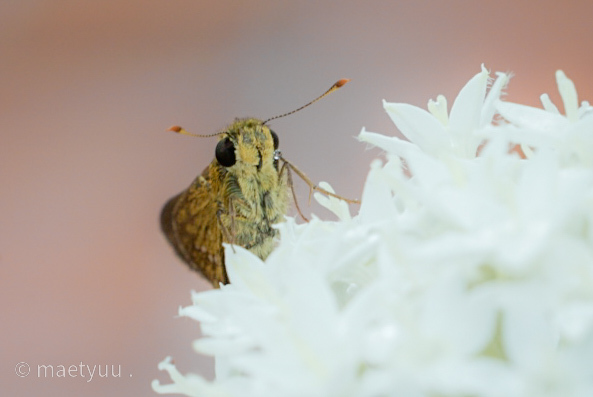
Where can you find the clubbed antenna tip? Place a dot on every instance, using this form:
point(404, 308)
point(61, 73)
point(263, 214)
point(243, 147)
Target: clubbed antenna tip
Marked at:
point(175, 128)
point(340, 83)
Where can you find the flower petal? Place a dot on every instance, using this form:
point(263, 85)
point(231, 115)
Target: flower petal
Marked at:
point(467, 108)
point(569, 96)
point(419, 126)
point(529, 117)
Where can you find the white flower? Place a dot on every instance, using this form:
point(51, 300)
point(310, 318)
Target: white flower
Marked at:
point(570, 135)
point(438, 134)
point(465, 272)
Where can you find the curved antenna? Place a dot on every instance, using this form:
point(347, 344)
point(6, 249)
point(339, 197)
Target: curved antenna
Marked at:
point(334, 87)
point(182, 131)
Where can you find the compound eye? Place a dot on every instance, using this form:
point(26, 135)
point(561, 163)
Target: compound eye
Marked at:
point(225, 153)
point(275, 139)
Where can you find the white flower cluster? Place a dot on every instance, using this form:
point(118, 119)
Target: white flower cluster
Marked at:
point(467, 272)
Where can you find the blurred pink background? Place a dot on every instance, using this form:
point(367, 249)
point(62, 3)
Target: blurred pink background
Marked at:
point(88, 88)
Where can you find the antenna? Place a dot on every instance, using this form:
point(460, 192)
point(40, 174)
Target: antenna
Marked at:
point(338, 84)
point(182, 131)
point(334, 87)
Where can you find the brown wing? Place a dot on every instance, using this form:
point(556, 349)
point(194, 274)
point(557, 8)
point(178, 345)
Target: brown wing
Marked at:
point(190, 224)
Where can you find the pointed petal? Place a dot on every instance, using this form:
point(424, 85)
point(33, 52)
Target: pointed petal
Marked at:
point(585, 110)
point(245, 270)
point(189, 385)
point(467, 108)
point(419, 126)
point(392, 145)
point(438, 109)
point(529, 117)
point(568, 92)
point(334, 204)
point(377, 199)
point(493, 96)
point(548, 104)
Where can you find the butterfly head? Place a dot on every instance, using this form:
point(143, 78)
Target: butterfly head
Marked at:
point(246, 142)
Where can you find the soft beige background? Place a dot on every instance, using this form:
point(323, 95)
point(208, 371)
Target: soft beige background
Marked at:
point(87, 89)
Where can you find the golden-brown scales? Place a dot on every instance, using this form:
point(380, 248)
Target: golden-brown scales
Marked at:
point(237, 204)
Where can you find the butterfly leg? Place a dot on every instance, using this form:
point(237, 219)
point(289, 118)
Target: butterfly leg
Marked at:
point(286, 168)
